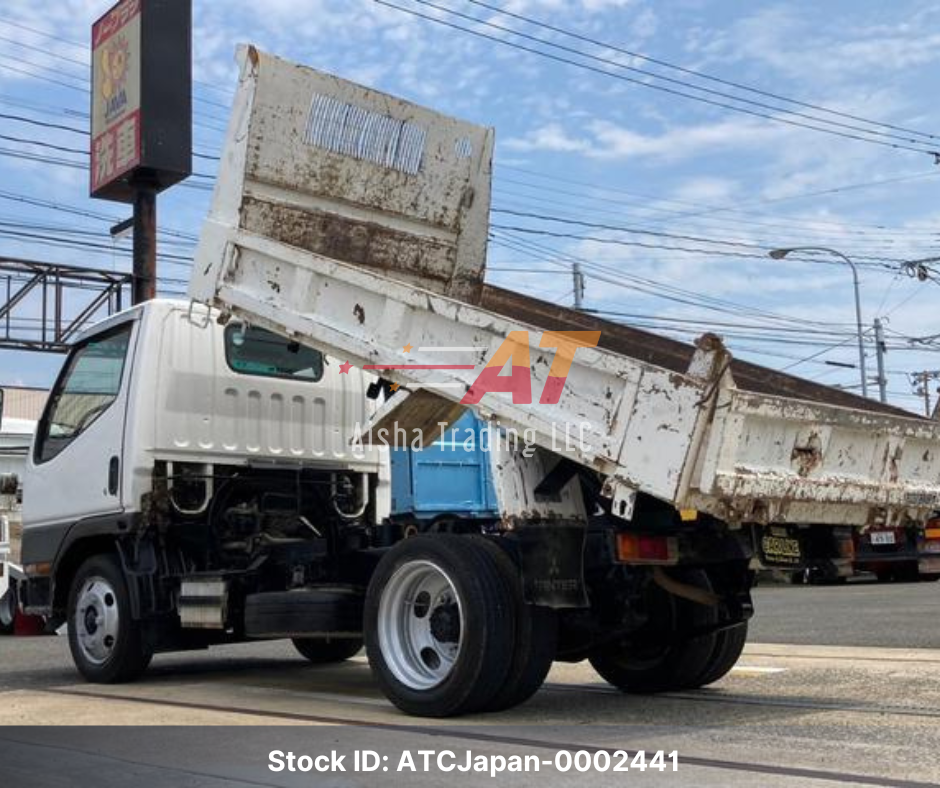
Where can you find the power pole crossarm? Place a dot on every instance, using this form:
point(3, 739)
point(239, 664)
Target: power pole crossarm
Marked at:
point(920, 381)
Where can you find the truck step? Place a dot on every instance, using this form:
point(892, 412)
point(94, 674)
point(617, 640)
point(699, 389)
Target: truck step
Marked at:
point(203, 603)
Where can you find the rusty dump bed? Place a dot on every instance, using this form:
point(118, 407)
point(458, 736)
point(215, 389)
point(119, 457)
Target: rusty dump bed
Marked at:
point(357, 223)
point(670, 353)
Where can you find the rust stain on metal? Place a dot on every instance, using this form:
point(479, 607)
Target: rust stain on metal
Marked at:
point(360, 313)
point(421, 260)
point(894, 463)
point(807, 457)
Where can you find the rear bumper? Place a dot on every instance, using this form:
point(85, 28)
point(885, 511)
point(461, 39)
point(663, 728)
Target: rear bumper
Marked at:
point(929, 565)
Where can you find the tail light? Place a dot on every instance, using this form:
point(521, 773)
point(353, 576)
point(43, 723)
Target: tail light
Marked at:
point(932, 536)
point(647, 549)
point(846, 545)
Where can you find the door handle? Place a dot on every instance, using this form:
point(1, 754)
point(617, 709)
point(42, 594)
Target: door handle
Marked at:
point(114, 469)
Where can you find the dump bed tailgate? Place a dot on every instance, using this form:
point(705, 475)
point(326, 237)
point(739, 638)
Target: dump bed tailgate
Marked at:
point(777, 459)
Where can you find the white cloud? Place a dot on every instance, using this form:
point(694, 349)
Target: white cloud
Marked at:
point(605, 140)
point(591, 6)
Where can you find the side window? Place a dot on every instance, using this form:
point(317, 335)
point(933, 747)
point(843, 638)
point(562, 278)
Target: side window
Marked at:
point(87, 387)
point(256, 351)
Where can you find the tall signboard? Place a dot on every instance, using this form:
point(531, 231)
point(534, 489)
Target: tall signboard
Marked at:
point(115, 102)
point(141, 114)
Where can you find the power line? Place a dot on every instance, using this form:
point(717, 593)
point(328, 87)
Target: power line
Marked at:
point(735, 208)
point(621, 209)
point(695, 73)
point(639, 82)
point(84, 48)
point(81, 152)
point(646, 245)
point(60, 207)
point(73, 130)
point(650, 287)
point(672, 236)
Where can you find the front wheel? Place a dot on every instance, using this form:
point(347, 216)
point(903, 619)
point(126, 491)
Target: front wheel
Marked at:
point(107, 644)
point(326, 651)
point(439, 626)
point(8, 604)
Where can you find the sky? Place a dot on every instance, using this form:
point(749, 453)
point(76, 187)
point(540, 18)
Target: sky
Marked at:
point(665, 147)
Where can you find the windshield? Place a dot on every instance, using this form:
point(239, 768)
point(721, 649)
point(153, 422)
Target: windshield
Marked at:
point(90, 383)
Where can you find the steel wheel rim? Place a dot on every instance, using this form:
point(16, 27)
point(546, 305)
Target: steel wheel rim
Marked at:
point(96, 620)
point(420, 625)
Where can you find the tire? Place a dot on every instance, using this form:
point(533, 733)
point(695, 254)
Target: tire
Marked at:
point(667, 662)
point(439, 626)
point(730, 644)
point(536, 638)
point(327, 651)
point(107, 644)
point(929, 578)
point(8, 605)
point(322, 611)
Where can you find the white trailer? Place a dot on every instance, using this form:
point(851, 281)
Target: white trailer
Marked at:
point(635, 484)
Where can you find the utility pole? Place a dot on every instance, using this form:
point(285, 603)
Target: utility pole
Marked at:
point(578, 286)
point(880, 355)
point(920, 381)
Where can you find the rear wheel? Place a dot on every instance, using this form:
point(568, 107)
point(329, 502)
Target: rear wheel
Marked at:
point(728, 647)
point(536, 638)
point(439, 626)
point(107, 645)
point(663, 657)
point(325, 651)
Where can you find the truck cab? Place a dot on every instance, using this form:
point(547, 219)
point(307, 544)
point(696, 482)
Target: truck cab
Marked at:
point(175, 455)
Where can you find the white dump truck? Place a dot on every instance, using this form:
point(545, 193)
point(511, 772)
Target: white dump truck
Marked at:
point(217, 470)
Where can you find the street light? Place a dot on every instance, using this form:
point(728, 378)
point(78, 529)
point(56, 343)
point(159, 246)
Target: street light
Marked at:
point(779, 254)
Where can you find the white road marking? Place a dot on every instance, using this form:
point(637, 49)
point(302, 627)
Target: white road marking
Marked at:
point(756, 669)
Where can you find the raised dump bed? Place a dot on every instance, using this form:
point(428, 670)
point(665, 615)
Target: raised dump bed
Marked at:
point(356, 222)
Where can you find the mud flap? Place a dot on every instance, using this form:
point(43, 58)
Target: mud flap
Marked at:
point(552, 559)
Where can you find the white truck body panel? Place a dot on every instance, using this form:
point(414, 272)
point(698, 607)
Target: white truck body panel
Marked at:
point(692, 439)
point(181, 401)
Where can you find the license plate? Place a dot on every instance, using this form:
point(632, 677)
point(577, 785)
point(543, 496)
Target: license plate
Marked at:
point(882, 537)
point(781, 550)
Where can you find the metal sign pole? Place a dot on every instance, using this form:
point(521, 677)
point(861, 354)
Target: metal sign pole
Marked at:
point(145, 244)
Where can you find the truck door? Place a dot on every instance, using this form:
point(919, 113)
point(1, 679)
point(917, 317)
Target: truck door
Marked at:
point(75, 466)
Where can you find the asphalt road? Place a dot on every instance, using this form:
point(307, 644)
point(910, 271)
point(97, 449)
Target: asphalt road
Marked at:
point(862, 613)
point(802, 708)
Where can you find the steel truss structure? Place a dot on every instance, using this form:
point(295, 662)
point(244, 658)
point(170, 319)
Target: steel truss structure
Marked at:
point(43, 306)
